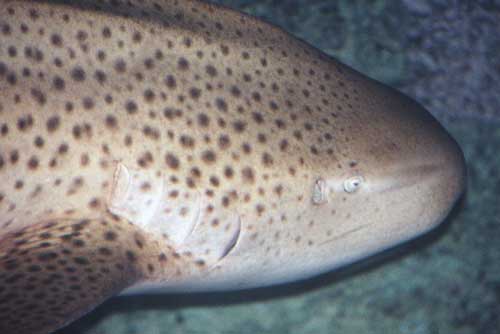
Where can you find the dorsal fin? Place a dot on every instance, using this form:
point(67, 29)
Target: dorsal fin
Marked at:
point(54, 271)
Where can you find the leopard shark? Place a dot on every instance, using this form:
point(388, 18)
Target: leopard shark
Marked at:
point(149, 146)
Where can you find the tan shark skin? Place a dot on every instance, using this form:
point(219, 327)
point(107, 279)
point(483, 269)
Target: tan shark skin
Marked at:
point(179, 145)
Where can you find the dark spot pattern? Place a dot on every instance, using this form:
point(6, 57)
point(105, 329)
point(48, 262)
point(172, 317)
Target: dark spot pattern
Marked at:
point(50, 260)
point(230, 108)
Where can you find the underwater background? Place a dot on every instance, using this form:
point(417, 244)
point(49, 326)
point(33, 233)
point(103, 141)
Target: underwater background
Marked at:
point(446, 55)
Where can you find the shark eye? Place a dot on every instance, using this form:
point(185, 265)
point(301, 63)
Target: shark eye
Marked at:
point(320, 192)
point(352, 184)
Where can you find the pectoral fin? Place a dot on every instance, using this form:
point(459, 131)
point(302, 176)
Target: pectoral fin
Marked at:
point(55, 271)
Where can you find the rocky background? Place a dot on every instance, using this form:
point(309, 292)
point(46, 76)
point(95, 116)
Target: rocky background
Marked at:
point(445, 54)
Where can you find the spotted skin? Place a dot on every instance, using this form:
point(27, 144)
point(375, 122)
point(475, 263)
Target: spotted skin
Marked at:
point(56, 270)
point(182, 145)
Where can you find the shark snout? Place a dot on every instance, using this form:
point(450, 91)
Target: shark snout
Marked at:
point(416, 184)
point(426, 166)
point(448, 175)
point(433, 180)
point(405, 176)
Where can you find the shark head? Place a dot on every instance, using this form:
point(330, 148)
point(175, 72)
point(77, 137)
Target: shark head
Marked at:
point(397, 175)
point(393, 174)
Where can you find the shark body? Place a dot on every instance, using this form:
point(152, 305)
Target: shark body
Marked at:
point(178, 145)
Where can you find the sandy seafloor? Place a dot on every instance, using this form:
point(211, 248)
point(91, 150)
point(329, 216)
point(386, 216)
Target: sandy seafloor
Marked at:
point(446, 54)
